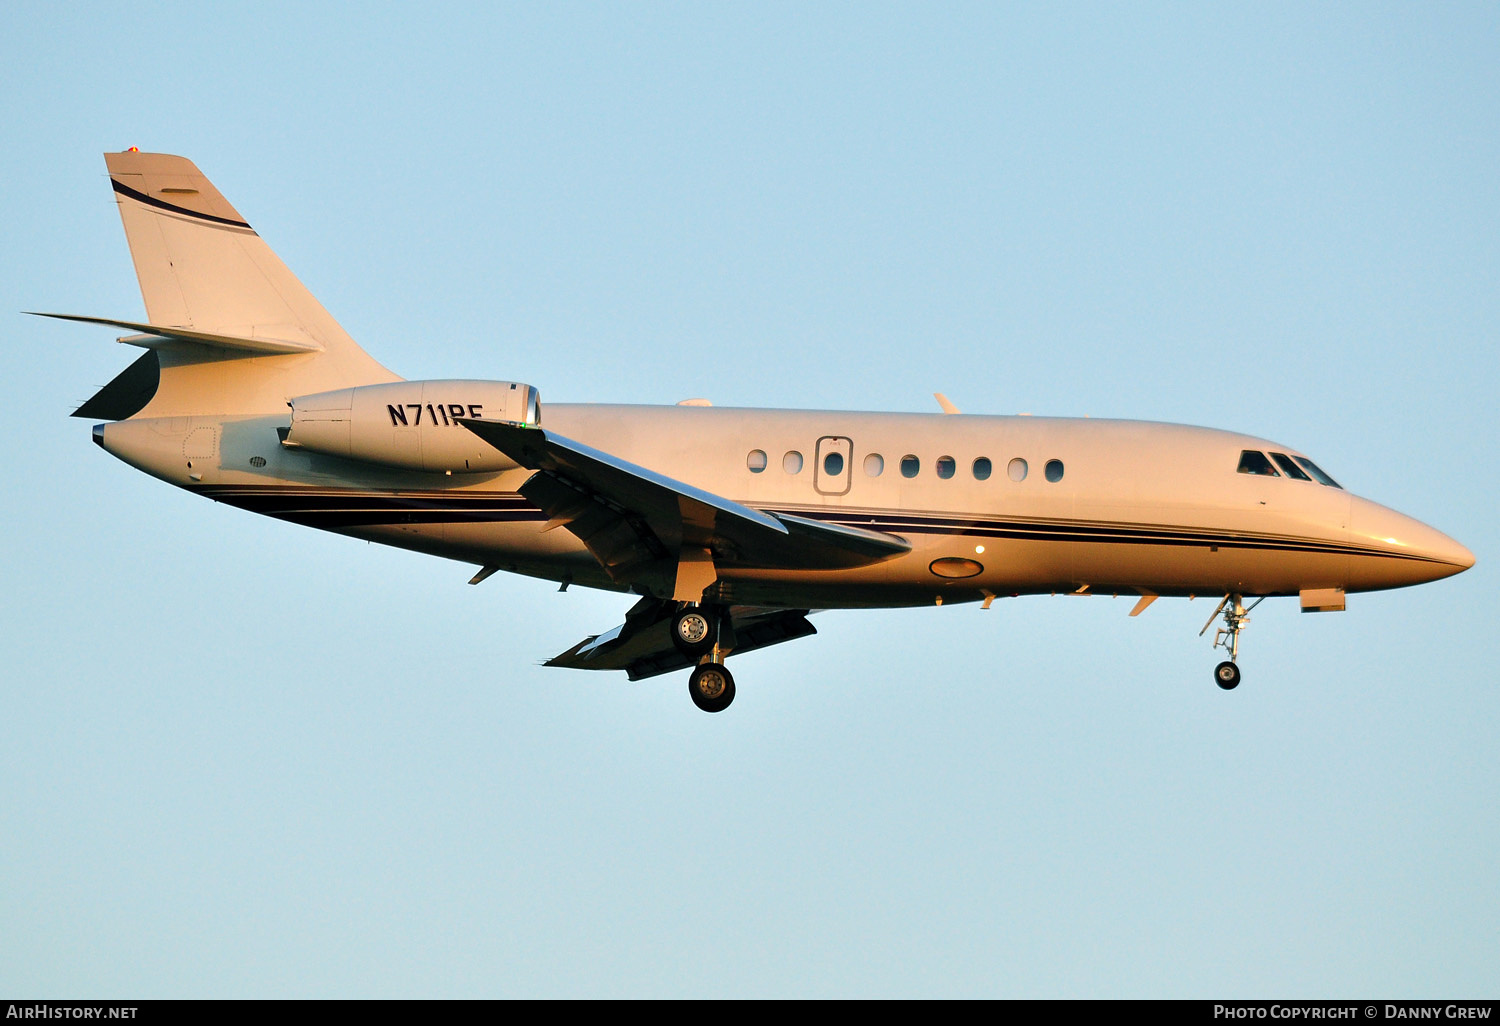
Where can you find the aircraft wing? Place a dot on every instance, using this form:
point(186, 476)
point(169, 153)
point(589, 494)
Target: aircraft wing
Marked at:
point(639, 524)
point(642, 645)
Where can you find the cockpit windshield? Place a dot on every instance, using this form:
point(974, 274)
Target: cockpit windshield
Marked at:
point(1299, 468)
point(1285, 463)
point(1252, 462)
point(1317, 473)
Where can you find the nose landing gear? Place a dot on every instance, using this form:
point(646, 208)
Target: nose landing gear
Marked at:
point(1236, 615)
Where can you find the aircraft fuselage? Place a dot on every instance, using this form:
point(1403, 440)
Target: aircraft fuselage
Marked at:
point(991, 505)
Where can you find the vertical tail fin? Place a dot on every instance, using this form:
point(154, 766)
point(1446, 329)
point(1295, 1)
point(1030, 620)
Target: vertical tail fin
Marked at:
point(203, 269)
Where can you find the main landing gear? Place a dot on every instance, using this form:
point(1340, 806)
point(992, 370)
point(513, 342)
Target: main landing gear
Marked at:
point(694, 630)
point(1236, 615)
point(700, 632)
point(711, 687)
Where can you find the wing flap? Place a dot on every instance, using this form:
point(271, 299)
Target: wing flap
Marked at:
point(859, 542)
point(642, 646)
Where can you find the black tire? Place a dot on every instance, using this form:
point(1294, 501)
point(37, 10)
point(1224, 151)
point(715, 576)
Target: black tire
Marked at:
point(711, 687)
point(693, 631)
point(1227, 675)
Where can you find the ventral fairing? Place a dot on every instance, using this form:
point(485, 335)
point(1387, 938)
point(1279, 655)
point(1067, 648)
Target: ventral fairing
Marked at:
point(728, 525)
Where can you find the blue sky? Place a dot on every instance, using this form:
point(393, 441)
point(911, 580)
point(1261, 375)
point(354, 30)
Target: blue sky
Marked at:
point(242, 758)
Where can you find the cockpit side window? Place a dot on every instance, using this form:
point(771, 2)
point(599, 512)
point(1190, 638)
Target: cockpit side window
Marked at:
point(1317, 472)
point(1253, 462)
point(1292, 470)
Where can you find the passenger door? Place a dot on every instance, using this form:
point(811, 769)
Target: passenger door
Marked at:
point(832, 470)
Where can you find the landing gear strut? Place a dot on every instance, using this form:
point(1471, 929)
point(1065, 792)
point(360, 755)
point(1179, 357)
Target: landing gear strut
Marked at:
point(1236, 615)
point(705, 633)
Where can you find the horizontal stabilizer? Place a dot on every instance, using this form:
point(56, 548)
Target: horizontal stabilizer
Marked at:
point(154, 335)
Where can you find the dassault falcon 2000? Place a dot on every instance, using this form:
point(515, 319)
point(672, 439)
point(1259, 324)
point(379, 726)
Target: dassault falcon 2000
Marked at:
point(730, 525)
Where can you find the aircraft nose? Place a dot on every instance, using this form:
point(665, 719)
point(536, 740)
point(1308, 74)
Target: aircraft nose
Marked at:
point(1394, 550)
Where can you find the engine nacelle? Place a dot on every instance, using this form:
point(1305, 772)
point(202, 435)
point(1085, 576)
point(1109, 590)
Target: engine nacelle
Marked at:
point(412, 425)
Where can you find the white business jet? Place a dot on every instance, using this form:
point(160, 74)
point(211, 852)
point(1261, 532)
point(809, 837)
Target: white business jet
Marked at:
point(730, 525)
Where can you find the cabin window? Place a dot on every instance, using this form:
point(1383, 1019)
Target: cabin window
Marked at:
point(833, 464)
point(945, 467)
point(910, 466)
point(1317, 472)
point(1292, 470)
point(1252, 462)
point(874, 465)
point(1053, 470)
point(982, 469)
point(1017, 469)
point(792, 462)
point(756, 461)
